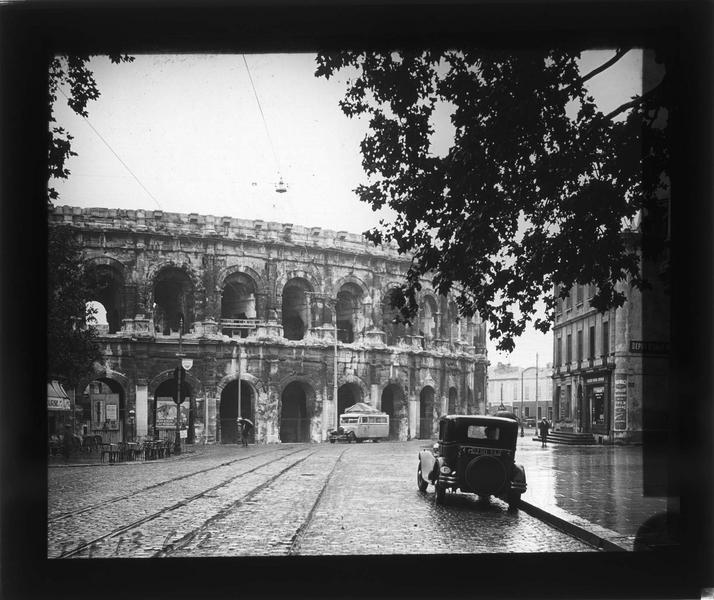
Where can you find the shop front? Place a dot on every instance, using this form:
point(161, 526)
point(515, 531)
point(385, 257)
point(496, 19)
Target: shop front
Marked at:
point(594, 413)
point(59, 409)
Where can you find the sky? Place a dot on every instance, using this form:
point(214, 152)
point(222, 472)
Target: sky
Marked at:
point(215, 134)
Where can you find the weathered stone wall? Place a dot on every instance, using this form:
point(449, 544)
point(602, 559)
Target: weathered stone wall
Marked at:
point(153, 269)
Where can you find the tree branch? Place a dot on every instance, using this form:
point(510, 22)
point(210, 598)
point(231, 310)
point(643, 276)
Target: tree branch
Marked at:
point(606, 65)
point(634, 102)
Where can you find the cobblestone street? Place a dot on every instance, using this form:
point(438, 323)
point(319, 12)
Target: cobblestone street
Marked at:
point(288, 499)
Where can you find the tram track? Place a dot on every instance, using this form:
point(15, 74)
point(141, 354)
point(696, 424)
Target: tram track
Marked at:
point(115, 499)
point(297, 537)
point(291, 544)
point(88, 545)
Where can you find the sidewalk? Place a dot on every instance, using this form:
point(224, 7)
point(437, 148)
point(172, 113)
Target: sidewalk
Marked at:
point(594, 492)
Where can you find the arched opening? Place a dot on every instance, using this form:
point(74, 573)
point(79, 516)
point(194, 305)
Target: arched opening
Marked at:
point(428, 318)
point(106, 284)
point(98, 316)
point(228, 413)
point(173, 300)
point(426, 413)
point(238, 300)
point(391, 326)
point(294, 417)
point(348, 310)
point(347, 395)
point(295, 308)
point(393, 404)
point(453, 404)
point(162, 409)
point(103, 411)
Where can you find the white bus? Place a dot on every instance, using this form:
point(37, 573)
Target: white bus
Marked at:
point(355, 426)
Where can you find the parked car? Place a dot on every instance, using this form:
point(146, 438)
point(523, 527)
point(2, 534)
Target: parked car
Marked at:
point(474, 454)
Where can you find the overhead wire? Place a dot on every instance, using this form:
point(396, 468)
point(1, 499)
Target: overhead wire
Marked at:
point(99, 135)
point(262, 115)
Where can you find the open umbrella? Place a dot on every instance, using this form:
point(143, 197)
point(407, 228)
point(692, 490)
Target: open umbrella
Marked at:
point(247, 422)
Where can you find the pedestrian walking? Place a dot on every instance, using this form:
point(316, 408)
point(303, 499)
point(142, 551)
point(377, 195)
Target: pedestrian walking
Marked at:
point(543, 428)
point(245, 427)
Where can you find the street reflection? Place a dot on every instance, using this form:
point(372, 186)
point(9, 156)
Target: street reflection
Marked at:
point(602, 484)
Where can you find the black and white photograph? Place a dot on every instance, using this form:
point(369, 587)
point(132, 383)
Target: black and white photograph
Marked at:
point(369, 302)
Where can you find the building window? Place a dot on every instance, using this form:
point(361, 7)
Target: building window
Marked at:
point(559, 352)
point(558, 301)
point(591, 290)
point(569, 348)
point(605, 338)
point(579, 294)
point(569, 300)
point(591, 342)
point(550, 413)
point(580, 345)
point(567, 401)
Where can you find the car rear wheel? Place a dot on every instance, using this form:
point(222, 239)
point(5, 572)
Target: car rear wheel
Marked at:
point(351, 437)
point(514, 499)
point(440, 495)
point(421, 484)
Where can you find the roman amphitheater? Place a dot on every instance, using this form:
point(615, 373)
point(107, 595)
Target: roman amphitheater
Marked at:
point(282, 324)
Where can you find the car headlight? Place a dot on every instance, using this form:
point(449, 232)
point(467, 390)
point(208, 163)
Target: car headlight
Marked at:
point(445, 470)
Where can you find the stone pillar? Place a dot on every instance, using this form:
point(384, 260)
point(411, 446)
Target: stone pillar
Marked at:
point(142, 408)
point(375, 401)
point(437, 320)
point(367, 314)
point(413, 418)
point(212, 407)
point(261, 307)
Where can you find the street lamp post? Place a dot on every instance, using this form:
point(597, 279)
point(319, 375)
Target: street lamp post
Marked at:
point(179, 381)
point(523, 372)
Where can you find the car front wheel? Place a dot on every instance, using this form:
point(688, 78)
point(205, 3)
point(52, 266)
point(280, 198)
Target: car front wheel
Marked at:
point(421, 484)
point(440, 495)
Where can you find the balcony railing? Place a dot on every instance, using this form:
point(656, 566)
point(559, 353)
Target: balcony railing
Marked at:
point(233, 324)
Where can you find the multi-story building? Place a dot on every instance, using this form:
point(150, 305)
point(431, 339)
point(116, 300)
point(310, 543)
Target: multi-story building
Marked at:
point(280, 324)
point(607, 365)
point(526, 392)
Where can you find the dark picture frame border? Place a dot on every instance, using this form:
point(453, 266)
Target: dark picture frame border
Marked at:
point(31, 32)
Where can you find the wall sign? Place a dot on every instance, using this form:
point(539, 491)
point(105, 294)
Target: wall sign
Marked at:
point(166, 413)
point(620, 402)
point(640, 347)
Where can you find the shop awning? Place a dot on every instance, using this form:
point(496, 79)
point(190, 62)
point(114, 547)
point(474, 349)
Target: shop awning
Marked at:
point(57, 398)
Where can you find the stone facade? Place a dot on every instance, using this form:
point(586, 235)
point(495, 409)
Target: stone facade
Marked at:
point(611, 368)
point(261, 303)
point(519, 391)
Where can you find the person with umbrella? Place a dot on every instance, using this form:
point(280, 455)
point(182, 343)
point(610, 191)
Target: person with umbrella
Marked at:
point(245, 426)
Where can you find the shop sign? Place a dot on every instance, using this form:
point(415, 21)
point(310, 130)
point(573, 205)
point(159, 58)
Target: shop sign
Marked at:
point(594, 380)
point(640, 347)
point(58, 403)
point(57, 398)
point(620, 402)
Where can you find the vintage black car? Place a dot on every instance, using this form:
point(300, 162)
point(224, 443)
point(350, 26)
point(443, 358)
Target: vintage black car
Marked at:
point(474, 454)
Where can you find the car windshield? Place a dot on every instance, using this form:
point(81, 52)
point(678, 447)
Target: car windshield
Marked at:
point(349, 419)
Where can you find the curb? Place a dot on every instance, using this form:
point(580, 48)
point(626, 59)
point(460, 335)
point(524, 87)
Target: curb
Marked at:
point(124, 463)
point(593, 535)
